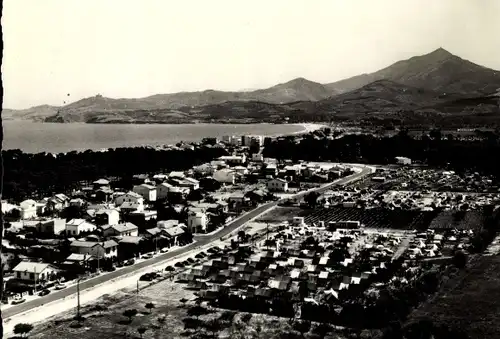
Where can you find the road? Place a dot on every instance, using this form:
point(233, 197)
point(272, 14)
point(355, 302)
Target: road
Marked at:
point(200, 241)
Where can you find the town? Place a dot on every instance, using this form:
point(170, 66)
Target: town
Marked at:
point(320, 242)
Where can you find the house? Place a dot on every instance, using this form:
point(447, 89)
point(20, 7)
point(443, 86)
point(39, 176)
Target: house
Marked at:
point(237, 201)
point(104, 194)
point(129, 247)
point(28, 209)
point(270, 169)
point(100, 184)
point(277, 185)
point(107, 216)
point(162, 190)
point(225, 175)
point(78, 226)
point(51, 226)
point(77, 202)
point(174, 233)
point(164, 224)
point(34, 271)
point(190, 183)
point(257, 157)
point(148, 192)
point(58, 202)
point(197, 222)
point(176, 174)
point(233, 159)
point(403, 161)
point(120, 198)
point(125, 229)
point(105, 249)
point(293, 170)
point(82, 260)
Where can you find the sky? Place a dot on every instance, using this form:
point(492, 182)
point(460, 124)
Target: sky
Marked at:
point(136, 48)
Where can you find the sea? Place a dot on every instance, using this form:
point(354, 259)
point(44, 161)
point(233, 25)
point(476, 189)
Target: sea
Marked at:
point(36, 137)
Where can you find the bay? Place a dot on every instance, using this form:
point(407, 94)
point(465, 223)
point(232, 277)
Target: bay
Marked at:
point(35, 137)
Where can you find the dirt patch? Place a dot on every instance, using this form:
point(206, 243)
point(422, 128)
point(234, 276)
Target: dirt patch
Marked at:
point(280, 214)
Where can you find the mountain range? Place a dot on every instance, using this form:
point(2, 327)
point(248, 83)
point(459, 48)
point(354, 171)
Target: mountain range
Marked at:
point(436, 83)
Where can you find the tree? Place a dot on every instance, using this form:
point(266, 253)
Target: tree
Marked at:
point(23, 329)
point(183, 301)
point(311, 198)
point(197, 311)
point(150, 307)
point(460, 259)
point(302, 326)
point(130, 313)
point(141, 331)
point(214, 326)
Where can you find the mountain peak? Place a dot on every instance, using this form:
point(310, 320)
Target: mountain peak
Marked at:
point(440, 53)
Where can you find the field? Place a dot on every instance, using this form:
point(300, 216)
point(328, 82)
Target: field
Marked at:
point(372, 218)
point(471, 300)
point(461, 220)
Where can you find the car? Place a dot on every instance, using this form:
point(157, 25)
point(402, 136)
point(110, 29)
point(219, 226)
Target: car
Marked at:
point(147, 256)
point(169, 269)
point(164, 250)
point(190, 260)
point(146, 277)
point(44, 292)
point(119, 264)
point(179, 264)
point(129, 262)
point(60, 287)
point(18, 301)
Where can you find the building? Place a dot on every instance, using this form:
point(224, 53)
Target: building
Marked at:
point(58, 202)
point(148, 192)
point(403, 161)
point(28, 209)
point(125, 229)
point(226, 176)
point(277, 185)
point(197, 222)
point(251, 140)
point(120, 198)
point(257, 157)
point(78, 226)
point(105, 249)
point(100, 183)
point(233, 159)
point(51, 226)
point(107, 216)
point(271, 169)
point(162, 190)
point(35, 271)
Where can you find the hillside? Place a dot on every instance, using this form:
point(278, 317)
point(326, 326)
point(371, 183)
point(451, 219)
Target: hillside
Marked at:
point(440, 71)
point(38, 113)
point(80, 111)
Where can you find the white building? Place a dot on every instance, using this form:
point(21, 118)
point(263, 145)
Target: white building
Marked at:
point(105, 249)
point(277, 185)
point(35, 271)
point(148, 192)
point(28, 209)
point(163, 189)
point(108, 216)
point(77, 226)
point(197, 222)
point(125, 229)
point(120, 198)
point(225, 175)
point(233, 159)
point(51, 226)
point(403, 161)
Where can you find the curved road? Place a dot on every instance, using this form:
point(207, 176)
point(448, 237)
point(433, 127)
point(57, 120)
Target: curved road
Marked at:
point(200, 241)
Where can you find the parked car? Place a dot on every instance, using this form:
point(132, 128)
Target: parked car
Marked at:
point(164, 250)
point(147, 256)
point(147, 277)
point(60, 287)
point(18, 301)
point(44, 293)
point(179, 264)
point(130, 262)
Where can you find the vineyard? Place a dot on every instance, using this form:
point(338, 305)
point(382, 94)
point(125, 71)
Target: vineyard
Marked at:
point(373, 218)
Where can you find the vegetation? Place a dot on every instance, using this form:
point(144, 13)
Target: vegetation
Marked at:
point(130, 313)
point(23, 329)
point(150, 307)
point(39, 175)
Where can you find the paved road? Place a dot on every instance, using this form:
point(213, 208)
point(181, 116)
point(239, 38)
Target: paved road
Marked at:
point(200, 241)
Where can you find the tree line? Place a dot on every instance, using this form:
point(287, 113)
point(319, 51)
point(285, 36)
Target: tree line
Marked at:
point(44, 174)
point(433, 149)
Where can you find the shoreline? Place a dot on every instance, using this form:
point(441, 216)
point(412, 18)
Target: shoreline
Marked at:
point(15, 130)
